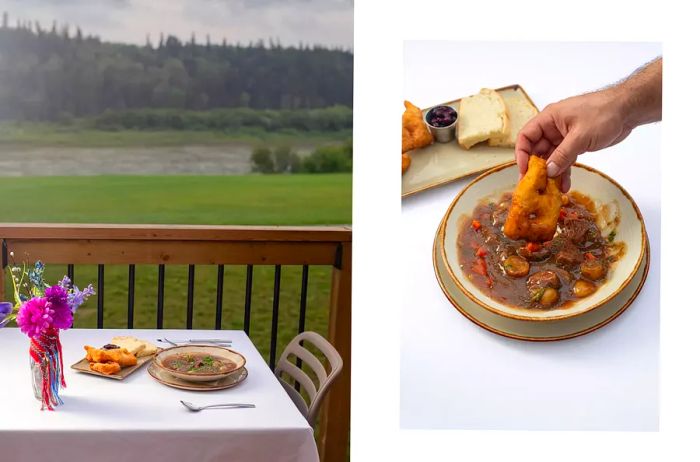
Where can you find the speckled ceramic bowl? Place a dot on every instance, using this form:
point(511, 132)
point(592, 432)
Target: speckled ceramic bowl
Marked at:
point(601, 188)
point(225, 353)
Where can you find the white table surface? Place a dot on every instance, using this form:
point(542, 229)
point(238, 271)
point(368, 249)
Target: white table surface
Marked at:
point(455, 374)
point(138, 419)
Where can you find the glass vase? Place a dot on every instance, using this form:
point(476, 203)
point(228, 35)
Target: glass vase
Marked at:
point(46, 366)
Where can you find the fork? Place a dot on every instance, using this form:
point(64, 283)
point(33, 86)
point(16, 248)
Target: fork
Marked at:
point(194, 408)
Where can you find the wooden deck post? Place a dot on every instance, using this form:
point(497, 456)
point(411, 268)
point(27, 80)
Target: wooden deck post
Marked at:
point(335, 416)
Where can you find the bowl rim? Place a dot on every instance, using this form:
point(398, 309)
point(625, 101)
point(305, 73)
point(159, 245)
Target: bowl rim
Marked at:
point(157, 360)
point(497, 311)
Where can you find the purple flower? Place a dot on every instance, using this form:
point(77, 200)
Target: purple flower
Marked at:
point(65, 283)
point(5, 311)
point(39, 313)
point(77, 297)
point(56, 294)
point(35, 316)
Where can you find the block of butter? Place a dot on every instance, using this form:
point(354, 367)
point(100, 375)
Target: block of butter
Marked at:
point(135, 346)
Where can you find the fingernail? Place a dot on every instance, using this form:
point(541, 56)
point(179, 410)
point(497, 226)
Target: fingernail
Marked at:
point(552, 169)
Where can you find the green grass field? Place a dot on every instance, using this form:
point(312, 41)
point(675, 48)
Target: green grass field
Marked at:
point(46, 134)
point(263, 200)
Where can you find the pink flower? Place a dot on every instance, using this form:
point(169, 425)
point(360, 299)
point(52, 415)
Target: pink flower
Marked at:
point(36, 315)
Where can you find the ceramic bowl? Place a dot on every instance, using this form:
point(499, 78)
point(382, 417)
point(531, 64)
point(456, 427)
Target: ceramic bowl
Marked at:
point(226, 353)
point(606, 193)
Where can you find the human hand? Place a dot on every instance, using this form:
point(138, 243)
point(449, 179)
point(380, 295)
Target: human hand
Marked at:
point(571, 127)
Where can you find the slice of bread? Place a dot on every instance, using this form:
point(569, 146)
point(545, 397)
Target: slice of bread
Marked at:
point(481, 116)
point(135, 346)
point(520, 111)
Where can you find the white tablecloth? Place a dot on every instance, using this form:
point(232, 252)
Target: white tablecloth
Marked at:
point(455, 374)
point(138, 419)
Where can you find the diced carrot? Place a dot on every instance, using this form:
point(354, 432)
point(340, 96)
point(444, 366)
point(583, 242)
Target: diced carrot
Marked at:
point(562, 213)
point(480, 267)
point(476, 225)
point(589, 256)
point(481, 252)
point(533, 247)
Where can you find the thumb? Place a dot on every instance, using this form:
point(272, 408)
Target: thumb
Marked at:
point(565, 154)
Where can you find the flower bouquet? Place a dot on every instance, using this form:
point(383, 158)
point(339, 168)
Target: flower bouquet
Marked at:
point(41, 311)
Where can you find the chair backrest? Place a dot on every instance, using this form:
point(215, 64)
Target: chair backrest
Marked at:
point(325, 379)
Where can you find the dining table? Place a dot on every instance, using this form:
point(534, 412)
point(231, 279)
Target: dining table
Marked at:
point(140, 419)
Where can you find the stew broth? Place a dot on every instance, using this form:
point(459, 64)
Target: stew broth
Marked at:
point(198, 363)
point(573, 265)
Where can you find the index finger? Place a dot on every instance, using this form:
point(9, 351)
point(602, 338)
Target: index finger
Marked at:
point(540, 127)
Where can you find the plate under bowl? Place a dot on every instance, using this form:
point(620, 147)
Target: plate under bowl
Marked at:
point(226, 353)
point(162, 376)
point(589, 181)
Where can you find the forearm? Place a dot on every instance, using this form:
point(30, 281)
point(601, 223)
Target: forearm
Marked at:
point(638, 97)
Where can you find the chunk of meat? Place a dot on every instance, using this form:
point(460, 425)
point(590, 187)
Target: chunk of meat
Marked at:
point(534, 212)
point(579, 231)
point(568, 256)
point(415, 133)
point(534, 255)
point(544, 279)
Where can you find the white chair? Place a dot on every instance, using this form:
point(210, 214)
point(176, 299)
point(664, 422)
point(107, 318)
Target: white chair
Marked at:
point(325, 379)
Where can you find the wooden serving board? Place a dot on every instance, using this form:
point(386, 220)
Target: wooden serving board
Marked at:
point(84, 366)
point(442, 163)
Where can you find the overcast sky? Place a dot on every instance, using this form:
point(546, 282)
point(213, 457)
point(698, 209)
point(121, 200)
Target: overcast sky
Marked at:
point(327, 22)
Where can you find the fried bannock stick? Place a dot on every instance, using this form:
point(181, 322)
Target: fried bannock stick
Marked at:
point(117, 355)
point(415, 133)
point(405, 162)
point(107, 368)
point(534, 212)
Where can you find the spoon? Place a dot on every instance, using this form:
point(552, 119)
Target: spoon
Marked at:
point(194, 408)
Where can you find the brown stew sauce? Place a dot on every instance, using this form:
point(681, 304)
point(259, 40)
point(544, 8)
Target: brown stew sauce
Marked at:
point(573, 265)
point(198, 363)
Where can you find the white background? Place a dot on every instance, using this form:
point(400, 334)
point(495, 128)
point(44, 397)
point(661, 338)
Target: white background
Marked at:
point(381, 28)
point(455, 374)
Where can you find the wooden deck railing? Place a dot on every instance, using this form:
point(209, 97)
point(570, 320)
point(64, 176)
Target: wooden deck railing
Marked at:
point(210, 245)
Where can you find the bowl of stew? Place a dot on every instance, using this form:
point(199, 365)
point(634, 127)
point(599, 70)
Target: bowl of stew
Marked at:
point(599, 246)
point(199, 363)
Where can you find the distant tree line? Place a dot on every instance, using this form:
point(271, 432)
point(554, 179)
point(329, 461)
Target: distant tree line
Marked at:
point(54, 73)
point(329, 119)
point(324, 159)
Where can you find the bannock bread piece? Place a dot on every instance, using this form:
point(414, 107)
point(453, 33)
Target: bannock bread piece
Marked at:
point(415, 133)
point(520, 111)
point(135, 346)
point(481, 116)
